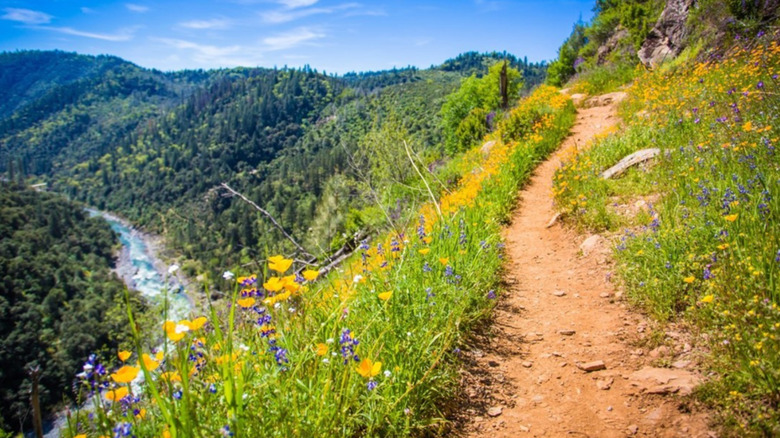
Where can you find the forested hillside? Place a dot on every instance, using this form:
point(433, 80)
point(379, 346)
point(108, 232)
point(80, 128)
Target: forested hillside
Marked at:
point(59, 300)
point(155, 147)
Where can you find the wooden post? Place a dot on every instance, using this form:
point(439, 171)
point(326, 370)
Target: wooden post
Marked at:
point(34, 372)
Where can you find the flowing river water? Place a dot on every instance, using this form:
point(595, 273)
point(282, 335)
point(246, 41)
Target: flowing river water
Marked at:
point(140, 268)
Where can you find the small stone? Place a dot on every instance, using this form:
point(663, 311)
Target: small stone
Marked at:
point(563, 364)
point(596, 365)
point(522, 428)
point(557, 354)
point(478, 419)
point(493, 363)
point(687, 347)
point(605, 295)
point(681, 364)
point(609, 408)
point(528, 364)
point(633, 429)
point(559, 293)
point(567, 332)
point(605, 384)
point(661, 351)
point(495, 411)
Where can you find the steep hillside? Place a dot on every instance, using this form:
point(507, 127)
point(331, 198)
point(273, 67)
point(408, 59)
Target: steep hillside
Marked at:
point(59, 301)
point(695, 230)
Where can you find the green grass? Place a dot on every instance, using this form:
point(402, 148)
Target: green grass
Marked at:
point(708, 251)
point(296, 372)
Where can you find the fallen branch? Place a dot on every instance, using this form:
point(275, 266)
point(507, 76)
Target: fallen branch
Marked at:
point(630, 160)
point(276, 224)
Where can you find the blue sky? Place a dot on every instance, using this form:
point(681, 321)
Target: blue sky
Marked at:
point(337, 36)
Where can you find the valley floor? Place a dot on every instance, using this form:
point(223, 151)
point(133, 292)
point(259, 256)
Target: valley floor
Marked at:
point(563, 316)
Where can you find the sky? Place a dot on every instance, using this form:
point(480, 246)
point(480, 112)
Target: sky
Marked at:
point(335, 36)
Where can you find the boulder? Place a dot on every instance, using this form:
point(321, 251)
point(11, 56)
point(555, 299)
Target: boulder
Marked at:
point(667, 37)
point(610, 45)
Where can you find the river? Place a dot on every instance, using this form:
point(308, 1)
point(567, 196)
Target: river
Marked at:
point(140, 268)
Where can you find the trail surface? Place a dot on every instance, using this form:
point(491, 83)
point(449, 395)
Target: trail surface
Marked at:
point(562, 315)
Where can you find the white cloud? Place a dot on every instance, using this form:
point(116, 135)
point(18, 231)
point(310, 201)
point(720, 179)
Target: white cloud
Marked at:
point(291, 39)
point(210, 55)
point(26, 16)
point(292, 4)
point(216, 23)
point(125, 34)
point(87, 10)
point(285, 16)
point(136, 7)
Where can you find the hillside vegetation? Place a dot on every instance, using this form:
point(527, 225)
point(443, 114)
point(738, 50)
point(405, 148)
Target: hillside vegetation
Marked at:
point(696, 231)
point(370, 350)
point(59, 300)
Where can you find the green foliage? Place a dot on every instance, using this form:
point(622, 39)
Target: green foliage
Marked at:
point(475, 63)
point(706, 247)
point(475, 93)
point(403, 302)
point(59, 300)
point(472, 128)
point(565, 65)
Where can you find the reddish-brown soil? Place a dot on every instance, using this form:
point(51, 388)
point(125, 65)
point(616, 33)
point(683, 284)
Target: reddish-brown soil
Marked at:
point(560, 312)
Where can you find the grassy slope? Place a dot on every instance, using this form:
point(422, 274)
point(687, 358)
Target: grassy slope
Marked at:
point(288, 363)
point(708, 250)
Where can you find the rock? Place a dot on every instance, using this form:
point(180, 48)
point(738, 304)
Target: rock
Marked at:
point(681, 364)
point(665, 40)
point(523, 428)
point(605, 99)
point(495, 411)
point(591, 244)
point(567, 332)
point(559, 293)
point(596, 365)
point(630, 160)
point(664, 380)
point(605, 384)
point(493, 363)
point(578, 98)
point(661, 351)
point(605, 295)
point(633, 429)
point(488, 146)
point(528, 364)
point(611, 44)
point(609, 408)
point(553, 220)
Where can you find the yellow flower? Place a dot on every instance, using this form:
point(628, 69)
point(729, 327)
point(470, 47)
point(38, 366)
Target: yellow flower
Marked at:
point(689, 280)
point(424, 251)
point(274, 284)
point(321, 349)
point(174, 331)
point(170, 376)
point(731, 217)
point(246, 302)
point(159, 355)
point(384, 296)
point(117, 394)
point(198, 323)
point(141, 414)
point(123, 355)
point(369, 368)
point(707, 299)
point(150, 363)
point(81, 435)
point(279, 263)
point(310, 275)
point(747, 127)
point(166, 434)
point(444, 261)
point(125, 374)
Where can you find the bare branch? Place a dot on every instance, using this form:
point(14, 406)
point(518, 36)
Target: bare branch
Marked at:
point(267, 214)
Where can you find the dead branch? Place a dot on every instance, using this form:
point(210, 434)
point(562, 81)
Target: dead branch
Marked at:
point(267, 214)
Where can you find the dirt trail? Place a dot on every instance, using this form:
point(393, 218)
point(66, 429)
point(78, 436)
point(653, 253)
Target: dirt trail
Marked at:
point(561, 312)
